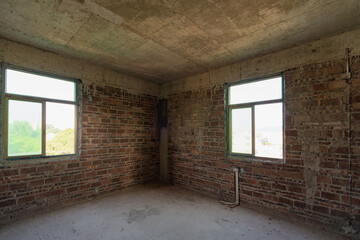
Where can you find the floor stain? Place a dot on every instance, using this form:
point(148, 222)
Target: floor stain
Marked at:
point(225, 220)
point(189, 199)
point(140, 215)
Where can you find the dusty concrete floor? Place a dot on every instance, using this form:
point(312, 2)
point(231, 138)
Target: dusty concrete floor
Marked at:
point(156, 211)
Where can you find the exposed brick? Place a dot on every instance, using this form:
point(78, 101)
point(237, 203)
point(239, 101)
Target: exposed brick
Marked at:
point(72, 189)
point(45, 168)
point(7, 203)
point(314, 177)
point(26, 199)
point(120, 148)
point(286, 201)
point(330, 196)
point(324, 179)
point(330, 102)
point(35, 183)
point(16, 186)
point(338, 213)
point(51, 180)
point(295, 189)
point(291, 133)
point(321, 209)
point(319, 87)
point(337, 85)
point(28, 170)
point(10, 172)
point(61, 180)
point(73, 165)
point(299, 204)
point(278, 186)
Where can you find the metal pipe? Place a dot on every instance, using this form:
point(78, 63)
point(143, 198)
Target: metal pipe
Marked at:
point(237, 200)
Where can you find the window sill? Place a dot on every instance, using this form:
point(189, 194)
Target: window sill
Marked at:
point(252, 159)
point(35, 160)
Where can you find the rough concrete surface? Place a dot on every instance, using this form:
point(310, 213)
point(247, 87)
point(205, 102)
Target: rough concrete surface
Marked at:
point(164, 164)
point(317, 51)
point(48, 62)
point(155, 211)
point(167, 39)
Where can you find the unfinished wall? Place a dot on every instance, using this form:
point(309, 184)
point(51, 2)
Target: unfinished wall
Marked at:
point(119, 141)
point(319, 181)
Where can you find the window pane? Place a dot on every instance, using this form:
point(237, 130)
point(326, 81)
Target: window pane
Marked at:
point(39, 86)
point(241, 130)
point(60, 129)
point(268, 130)
point(24, 128)
point(269, 89)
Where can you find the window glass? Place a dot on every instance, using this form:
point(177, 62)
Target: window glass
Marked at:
point(60, 129)
point(29, 84)
point(241, 130)
point(41, 115)
point(256, 118)
point(24, 128)
point(268, 130)
point(269, 89)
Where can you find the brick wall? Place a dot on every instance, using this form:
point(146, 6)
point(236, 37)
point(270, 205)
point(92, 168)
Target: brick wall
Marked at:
point(119, 149)
point(313, 185)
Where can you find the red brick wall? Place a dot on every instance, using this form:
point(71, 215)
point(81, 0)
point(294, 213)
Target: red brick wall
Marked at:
point(313, 184)
point(355, 137)
point(119, 149)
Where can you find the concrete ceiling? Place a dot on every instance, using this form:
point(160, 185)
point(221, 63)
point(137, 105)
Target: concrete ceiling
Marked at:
point(162, 40)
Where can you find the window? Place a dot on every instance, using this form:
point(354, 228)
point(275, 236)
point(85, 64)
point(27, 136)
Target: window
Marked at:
point(40, 115)
point(255, 111)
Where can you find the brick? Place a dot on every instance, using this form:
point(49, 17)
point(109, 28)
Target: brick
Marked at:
point(330, 196)
point(96, 184)
point(72, 189)
point(315, 124)
point(330, 102)
point(278, 186)
point(324, 179)
point(28, 170)
point(286, 201)
point(318, 87)
point(10, 172)
point(337, 85)
point(73, 165)
point(62, 180)
point(4, 188)
point(254, 182)
point(56, 192)
point(340, 182)
point(340, 214)
point(295, 189)
point(291, 133)
point(26, 199)
point(36, 183)
point(45, 168)
point(321, 209)
point(7, 203)
point(51, 180)
point(16, 186)
point(300, 204)
point(66, 178)
point(120, 148)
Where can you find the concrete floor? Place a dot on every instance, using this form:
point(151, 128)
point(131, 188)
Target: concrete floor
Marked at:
point(155, 211)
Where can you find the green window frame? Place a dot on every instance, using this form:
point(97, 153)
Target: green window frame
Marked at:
point(44, 101)
point(247, 110)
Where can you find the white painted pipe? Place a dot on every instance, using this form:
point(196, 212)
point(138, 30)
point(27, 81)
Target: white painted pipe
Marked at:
point(237, 201)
